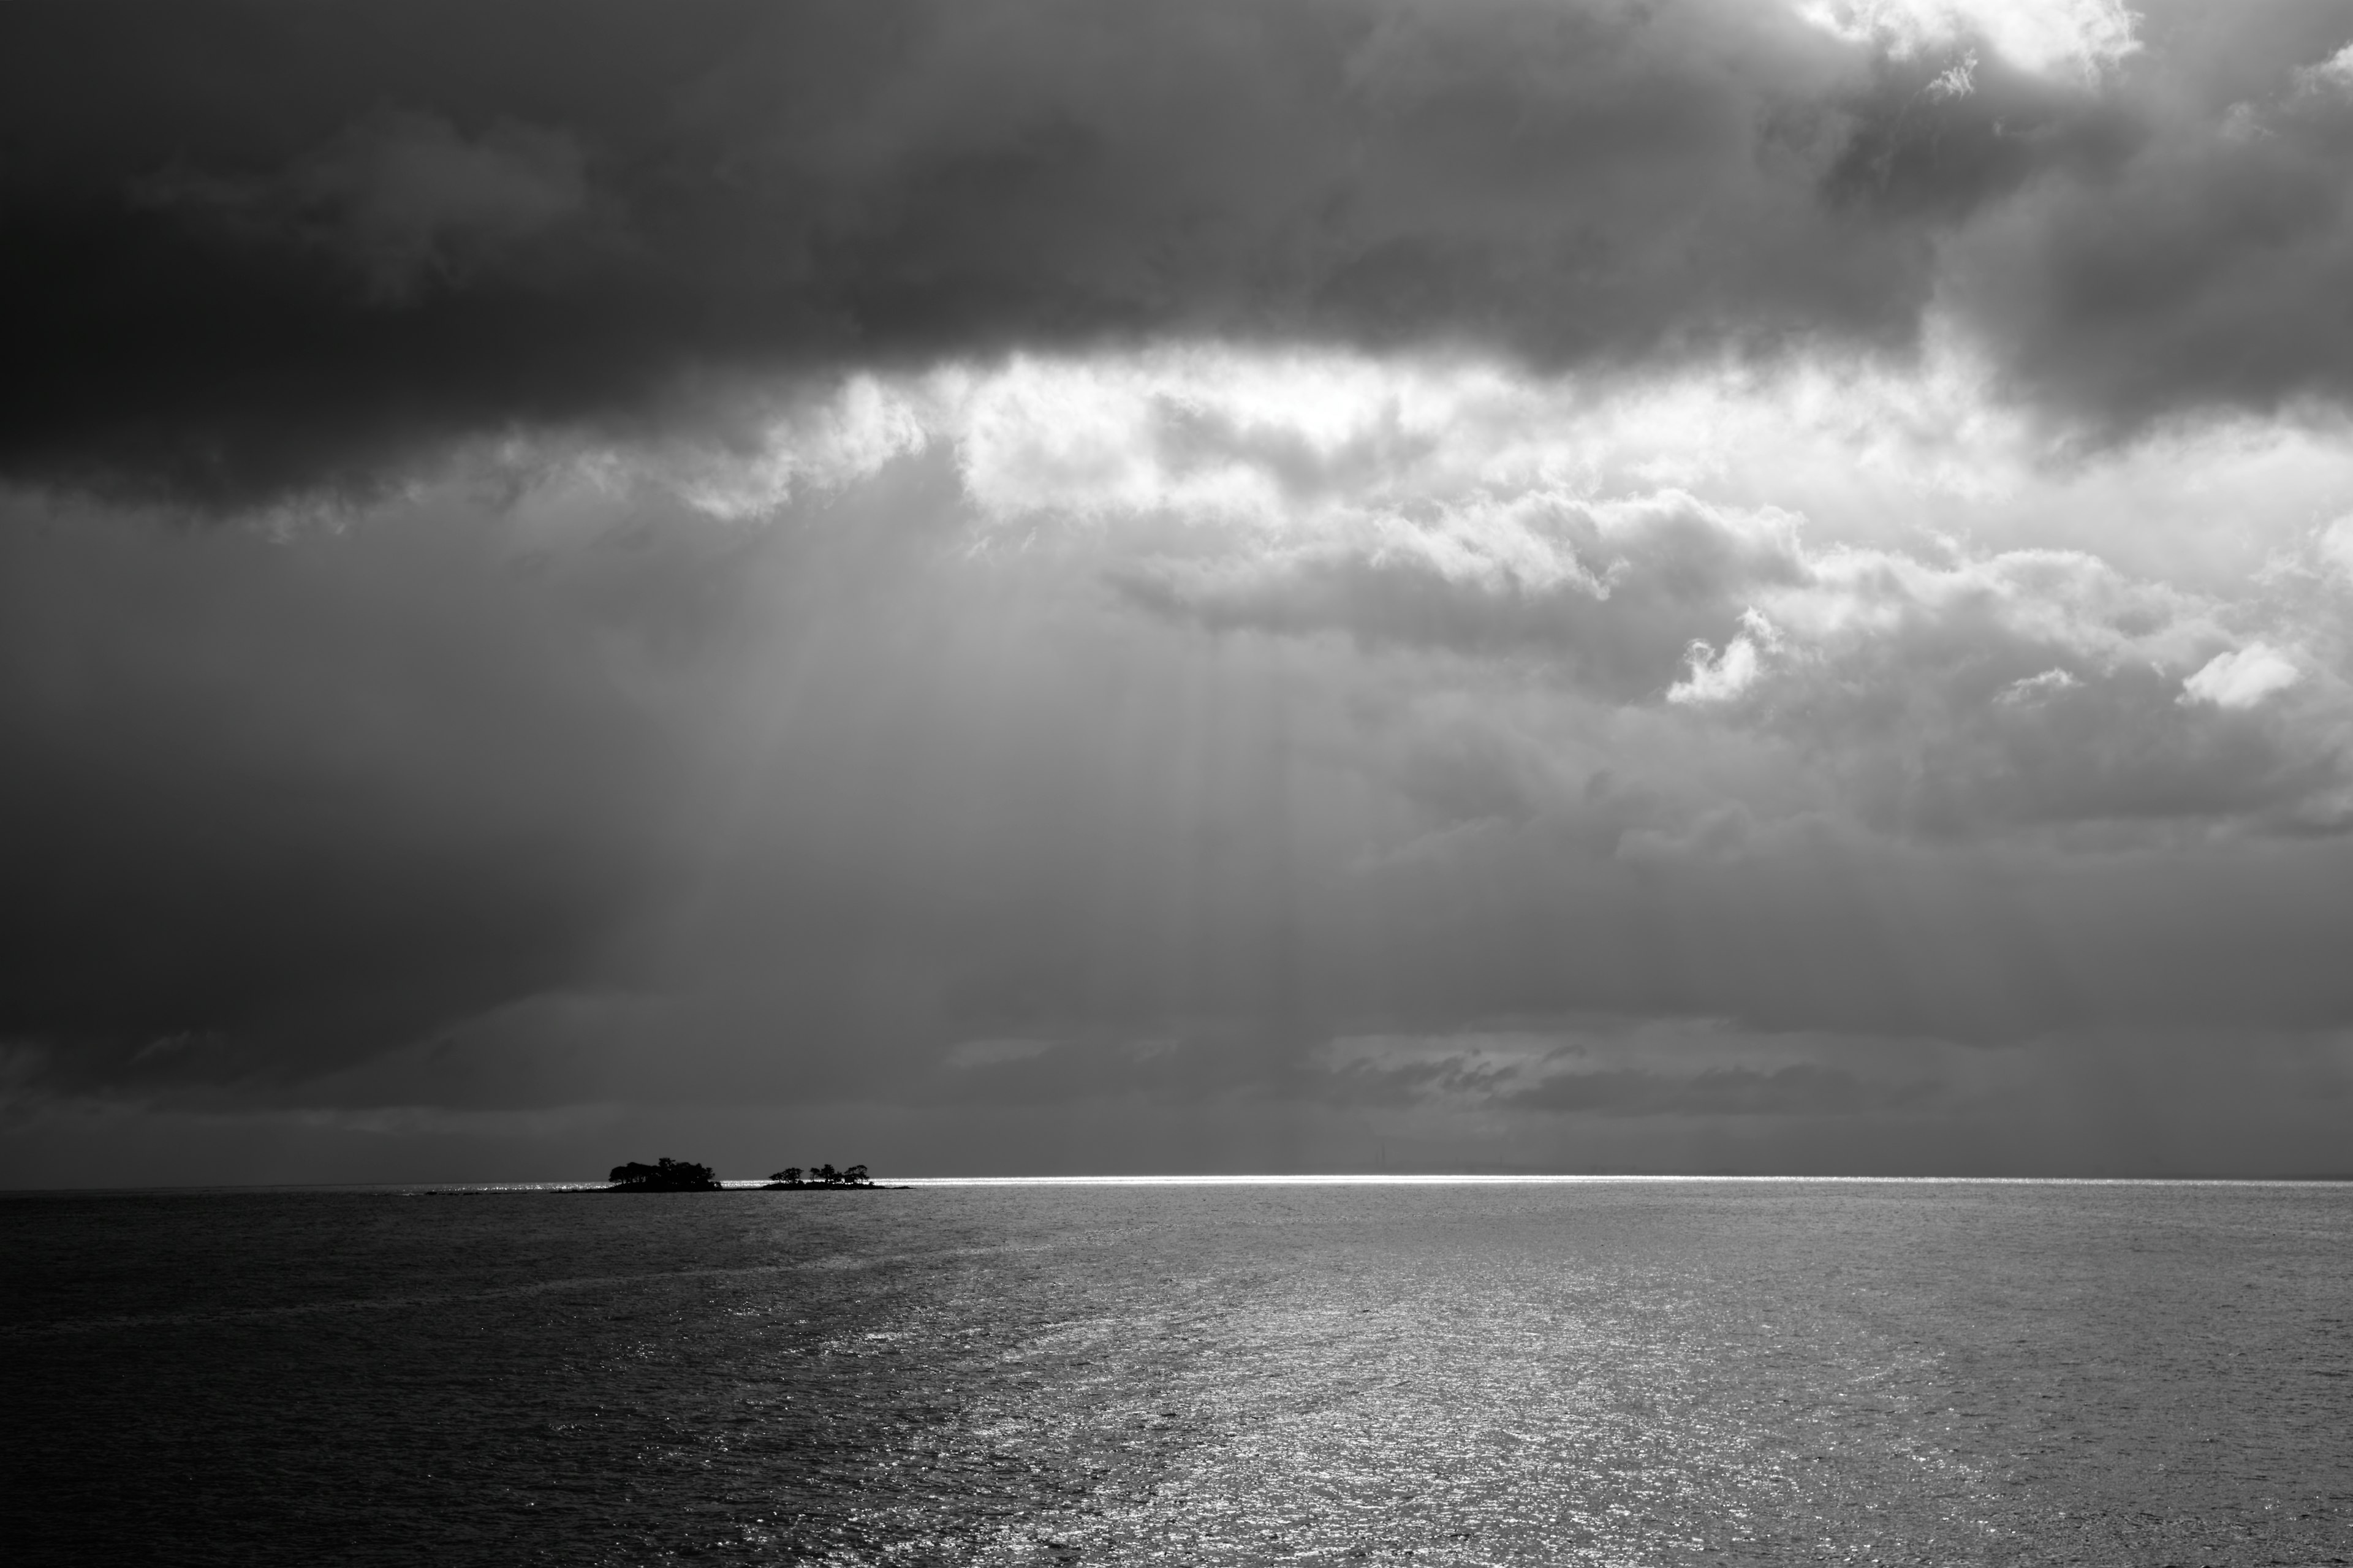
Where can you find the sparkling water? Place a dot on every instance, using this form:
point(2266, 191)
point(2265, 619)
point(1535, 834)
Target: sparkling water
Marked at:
point(1585, 1372)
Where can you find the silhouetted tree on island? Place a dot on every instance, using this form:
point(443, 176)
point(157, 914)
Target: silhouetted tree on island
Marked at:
point(823, 1177)
point(666, 1175)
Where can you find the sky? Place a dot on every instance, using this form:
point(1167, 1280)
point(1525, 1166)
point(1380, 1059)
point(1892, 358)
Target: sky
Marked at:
point(1045, 586)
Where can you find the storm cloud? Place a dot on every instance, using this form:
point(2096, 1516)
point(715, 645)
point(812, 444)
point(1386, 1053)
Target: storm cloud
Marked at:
point(1039, 585)
point(258, 245)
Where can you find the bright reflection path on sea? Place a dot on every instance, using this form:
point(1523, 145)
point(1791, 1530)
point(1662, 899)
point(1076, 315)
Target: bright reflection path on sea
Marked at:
point(1631, 1373)
point(1209, 1372)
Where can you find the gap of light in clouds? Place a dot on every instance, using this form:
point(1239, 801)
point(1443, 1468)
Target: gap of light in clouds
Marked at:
point(1476, 761)
point(1554, 586)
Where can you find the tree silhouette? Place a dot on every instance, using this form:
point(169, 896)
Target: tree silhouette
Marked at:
point(665, 1175)
point(821, 1176)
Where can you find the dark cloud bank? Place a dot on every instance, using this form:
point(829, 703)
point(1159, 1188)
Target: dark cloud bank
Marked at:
point(375, 812)
point(254, 245)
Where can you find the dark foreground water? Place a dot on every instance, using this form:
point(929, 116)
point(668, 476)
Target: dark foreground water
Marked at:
point(1597, 1372)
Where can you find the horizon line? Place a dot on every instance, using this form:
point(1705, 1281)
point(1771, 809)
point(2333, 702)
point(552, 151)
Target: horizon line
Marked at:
point(1318, 1179)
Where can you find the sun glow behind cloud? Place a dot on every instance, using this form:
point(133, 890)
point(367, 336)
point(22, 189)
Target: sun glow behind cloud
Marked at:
point(2083, 36)
point(1735, 571)
point(1767, 546)
point(1203, 653)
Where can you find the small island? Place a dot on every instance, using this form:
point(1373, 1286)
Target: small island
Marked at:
point(823, 1177)
point(665, 1175)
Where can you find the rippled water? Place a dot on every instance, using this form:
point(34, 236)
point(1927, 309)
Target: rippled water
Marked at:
point(1583, 1373)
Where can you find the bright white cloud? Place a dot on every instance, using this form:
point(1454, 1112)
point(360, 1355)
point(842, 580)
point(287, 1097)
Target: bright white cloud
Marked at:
point(834, 441)
point(2242, 678)
point(2082, 36)
point(1881, 567)
point(2335, 546)
point(2048, 683)
point(1923, 459)
point(2333, 75)
point(1720, 677)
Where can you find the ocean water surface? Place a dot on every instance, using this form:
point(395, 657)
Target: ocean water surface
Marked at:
point(1606, 1372)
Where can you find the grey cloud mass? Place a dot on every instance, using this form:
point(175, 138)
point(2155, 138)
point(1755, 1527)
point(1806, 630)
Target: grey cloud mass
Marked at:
point(292, 805)
point(480, 806)
point(1036, 584)
point(401, 200)
point(255, 246)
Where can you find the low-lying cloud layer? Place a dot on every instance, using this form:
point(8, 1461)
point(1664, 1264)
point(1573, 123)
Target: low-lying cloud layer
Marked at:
point(1522, 586)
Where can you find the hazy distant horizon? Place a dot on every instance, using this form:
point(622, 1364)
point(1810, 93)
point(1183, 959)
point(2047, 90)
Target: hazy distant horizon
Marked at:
point(1253, 1178)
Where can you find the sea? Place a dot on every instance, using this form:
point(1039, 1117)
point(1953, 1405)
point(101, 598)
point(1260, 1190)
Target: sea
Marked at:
point(1589, 1371)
